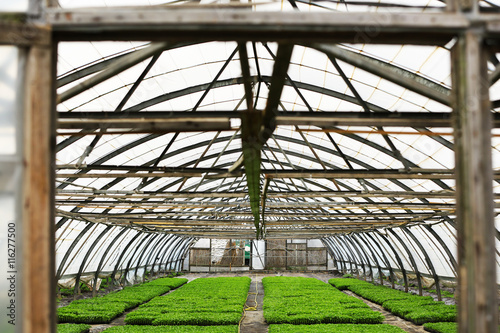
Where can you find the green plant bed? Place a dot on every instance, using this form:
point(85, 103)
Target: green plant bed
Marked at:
point(71, 291)
point(298, 300)
point(72, 328)
point(444, 293)
point(90, 311)
point(441, 327)
point(432, 314)
point(172, 329)
point(334, 328)
point(345, 283)
point(418, 309)
point(198, 318)
point(204, 301)
point(103, 309)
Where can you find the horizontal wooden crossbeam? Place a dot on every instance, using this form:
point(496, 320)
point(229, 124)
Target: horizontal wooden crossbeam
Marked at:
point(160, 23)
point(331, 205)
point(23, 34)
point(211, 173)
point(123, 194)
point(220, 120)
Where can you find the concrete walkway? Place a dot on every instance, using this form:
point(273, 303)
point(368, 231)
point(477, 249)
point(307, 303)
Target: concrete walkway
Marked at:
point(254, 322)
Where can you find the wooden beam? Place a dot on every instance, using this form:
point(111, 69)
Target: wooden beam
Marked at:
point(309, 174)
point(183, 223)
point(119, 194)
point(164, 204)
point(160, 23)
point(162, 214)
point(38, 254)
point(361, 174)
point(185, 124)
point(264, 123)
point(278, 78)
point(123, 194)
point(212, 120)
point(24, 34)
point(271, 234)
point(477, 302)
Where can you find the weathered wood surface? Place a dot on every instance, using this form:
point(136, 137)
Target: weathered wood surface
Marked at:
point(24, 34)
point(478, 309)
point(38, 255)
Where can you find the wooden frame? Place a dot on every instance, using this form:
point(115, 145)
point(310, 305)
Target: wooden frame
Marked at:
point(37, 299)
point(477, 302)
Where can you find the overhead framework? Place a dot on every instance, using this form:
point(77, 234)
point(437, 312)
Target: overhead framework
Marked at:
point(370, 125)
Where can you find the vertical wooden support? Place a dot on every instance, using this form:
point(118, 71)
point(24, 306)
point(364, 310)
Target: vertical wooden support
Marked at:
point(37, 300)
point(478, 309)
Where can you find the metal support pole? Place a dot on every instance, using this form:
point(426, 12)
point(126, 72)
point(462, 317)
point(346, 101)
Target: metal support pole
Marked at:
point(85, 258)
point(336, 256)
point(156, 247)
point(396, 256)
point(166, 252)
point(427, 259)
point(101, 262)
point(373, 253)
point(411, 258)
point(360, 255)
point(171, 256)
point(132, 257)
point(71, 248)
point(156, 257)
point(445, 247)
point(124, 251)
point(145, 250)
point(352, 250)
point(386, 260)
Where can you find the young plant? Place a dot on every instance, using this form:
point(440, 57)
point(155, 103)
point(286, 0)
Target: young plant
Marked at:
point(418, 309)
point(204, 301)
point(298, 300)
point(441, 327)
point(73, 328)
point(172, 329)
point(335, 328)
point(103, 309)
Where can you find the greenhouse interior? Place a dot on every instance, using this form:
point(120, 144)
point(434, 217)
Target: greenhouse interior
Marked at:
point(250, 166)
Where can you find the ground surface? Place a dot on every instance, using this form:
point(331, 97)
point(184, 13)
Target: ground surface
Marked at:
point(253, 320)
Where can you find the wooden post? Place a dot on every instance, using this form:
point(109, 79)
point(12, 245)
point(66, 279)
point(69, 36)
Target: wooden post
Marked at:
point(37, 300)
point(477, 301)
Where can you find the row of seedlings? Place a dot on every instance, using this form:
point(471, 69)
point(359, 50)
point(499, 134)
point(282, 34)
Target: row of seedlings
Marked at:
point(172, 329)
point(204, 301)
point(335, 328)
point(309, 305)
point(441, 327)
point(103, 309)
point(73, 328)
point(417, 309)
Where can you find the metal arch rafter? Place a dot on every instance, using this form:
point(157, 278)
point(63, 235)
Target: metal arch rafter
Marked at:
point(405, 78)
